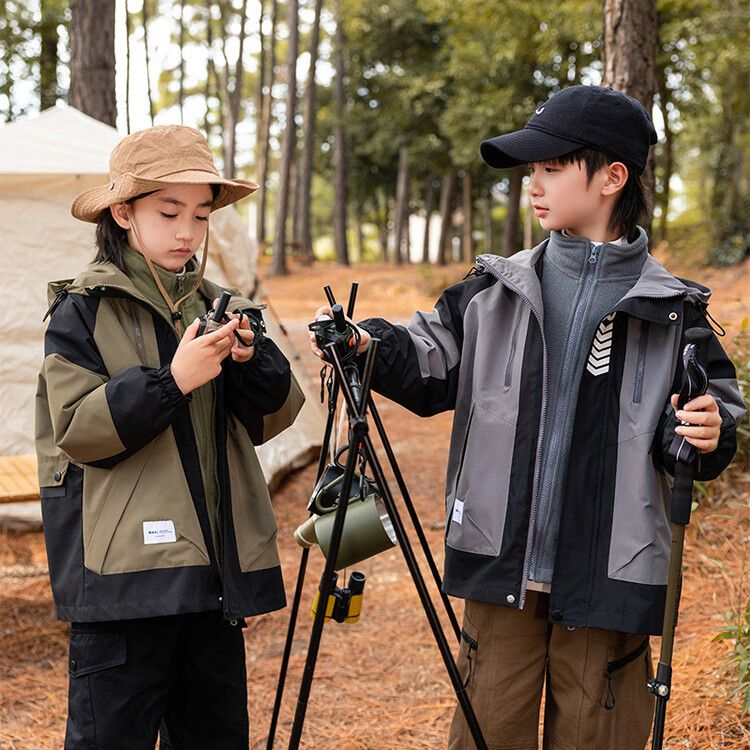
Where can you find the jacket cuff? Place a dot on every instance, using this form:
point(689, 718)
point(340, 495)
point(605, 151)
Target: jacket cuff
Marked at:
point(388, 349)
point(708, 465)
point(171, 392)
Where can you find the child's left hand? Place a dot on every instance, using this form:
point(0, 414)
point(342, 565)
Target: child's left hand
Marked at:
point(704, 420)
point(241, 353)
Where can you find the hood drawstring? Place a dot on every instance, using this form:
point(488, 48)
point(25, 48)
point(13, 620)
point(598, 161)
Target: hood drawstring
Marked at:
point(173, 306)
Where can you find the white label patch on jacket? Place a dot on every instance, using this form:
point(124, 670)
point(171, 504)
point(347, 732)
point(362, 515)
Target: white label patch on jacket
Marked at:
point(458, 511)
point(601, 349)
point(158, 532)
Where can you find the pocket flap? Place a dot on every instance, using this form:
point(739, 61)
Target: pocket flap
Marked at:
point(95, 651)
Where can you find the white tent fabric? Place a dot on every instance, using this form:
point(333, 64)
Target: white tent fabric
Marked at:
point(44, 163)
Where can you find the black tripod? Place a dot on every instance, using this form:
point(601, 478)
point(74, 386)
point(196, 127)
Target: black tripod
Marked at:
point(694, 383)
point(358, 402)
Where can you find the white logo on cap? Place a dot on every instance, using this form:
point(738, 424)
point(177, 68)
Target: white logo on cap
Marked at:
point(539, 111)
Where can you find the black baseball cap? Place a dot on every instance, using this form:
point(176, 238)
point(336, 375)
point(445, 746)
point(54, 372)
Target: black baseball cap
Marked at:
point(575, 117)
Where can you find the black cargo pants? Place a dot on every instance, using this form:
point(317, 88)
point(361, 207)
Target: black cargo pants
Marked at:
point(186, 672)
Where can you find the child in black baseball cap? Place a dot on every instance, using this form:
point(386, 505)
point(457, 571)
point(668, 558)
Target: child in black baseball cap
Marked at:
point(560, 364)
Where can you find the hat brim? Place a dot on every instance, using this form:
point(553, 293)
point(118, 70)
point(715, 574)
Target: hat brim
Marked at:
point(89, 204)
point(524, 147)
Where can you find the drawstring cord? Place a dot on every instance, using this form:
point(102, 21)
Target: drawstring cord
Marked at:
point(176, 315)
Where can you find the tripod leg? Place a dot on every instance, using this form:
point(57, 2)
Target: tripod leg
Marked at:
point(287, 648)
point(414, 519)
point(333, 397)
point(326, 586)
point(424, 596)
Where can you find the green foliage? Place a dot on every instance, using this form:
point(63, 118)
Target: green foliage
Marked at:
point(738, 630)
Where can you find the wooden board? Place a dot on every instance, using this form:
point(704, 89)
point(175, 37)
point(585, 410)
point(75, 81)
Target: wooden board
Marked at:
point(18, 479)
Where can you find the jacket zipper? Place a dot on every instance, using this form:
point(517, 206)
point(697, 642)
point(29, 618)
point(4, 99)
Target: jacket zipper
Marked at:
point(642, 348)
point(573, 335)
point(170, 322)
point(545, 397)
point(542, 419)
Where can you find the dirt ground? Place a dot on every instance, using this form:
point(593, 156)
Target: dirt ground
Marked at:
point(380, 684)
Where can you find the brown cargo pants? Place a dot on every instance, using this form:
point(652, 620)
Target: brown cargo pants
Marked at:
point(596, 696)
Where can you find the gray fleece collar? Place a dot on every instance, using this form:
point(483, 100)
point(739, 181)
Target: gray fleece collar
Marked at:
point(614, 261)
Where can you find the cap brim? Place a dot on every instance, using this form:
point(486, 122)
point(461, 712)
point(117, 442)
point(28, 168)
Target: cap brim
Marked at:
point(523, 147)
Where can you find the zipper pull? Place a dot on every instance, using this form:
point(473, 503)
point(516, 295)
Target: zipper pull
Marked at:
point(594, 254)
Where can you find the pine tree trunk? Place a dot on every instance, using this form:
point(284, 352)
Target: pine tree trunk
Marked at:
point(278, 264)
point(512, 217)
point(468, 242)
point(52, 17)
point(340, 175)
point(402, 204)
point(446, 213)
point(488, 221)
point(359, 211)
point(181, 92)
point(259, 94)
point(383, 225)
point(429, 207)
point(234, 97)
point(304, 235)
point(128, 32)
point(92, 59)
point(265, 150)
point(144, 21)
point(210, 72)
point(629, 56)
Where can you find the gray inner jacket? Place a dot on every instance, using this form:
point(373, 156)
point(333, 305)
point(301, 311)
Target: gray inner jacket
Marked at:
point(581, 283)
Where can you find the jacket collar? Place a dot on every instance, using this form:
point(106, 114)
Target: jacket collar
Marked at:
point(655, 290)
point(104, 277)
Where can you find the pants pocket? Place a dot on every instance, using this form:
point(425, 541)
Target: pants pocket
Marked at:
point(626, 707)
point(92, 650)
point(92, 653)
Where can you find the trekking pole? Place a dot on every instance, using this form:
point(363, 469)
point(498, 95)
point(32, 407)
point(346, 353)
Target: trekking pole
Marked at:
point(694, 384)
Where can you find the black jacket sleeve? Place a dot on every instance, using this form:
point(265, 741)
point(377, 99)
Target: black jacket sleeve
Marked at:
point(418, 364)
point(262, 393)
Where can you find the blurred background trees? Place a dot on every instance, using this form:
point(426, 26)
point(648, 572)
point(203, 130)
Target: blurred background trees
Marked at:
point(361, 119)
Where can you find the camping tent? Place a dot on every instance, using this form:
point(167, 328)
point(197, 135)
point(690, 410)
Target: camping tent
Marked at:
point(44, 163)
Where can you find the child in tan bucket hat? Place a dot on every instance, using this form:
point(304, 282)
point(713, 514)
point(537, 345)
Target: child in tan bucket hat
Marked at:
point(158, 524)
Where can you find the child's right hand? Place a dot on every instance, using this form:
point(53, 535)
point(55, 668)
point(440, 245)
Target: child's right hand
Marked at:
point(198, 360)
point(364, 342)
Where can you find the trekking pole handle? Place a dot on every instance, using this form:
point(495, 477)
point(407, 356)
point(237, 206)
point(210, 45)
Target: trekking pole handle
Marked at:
point(694, 384)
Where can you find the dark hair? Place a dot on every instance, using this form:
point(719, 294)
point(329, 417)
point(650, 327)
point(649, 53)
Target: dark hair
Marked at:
point(633, 205)
point(111, 238)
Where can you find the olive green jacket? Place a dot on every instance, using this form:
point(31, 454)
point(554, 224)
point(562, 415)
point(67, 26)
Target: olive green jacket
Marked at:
point(123, 501)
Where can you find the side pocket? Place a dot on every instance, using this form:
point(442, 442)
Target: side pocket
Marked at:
point(472, 649)
point(95, 650)
point(616, 665)
point(513, 344)
point(468, 654)
point(482, 485)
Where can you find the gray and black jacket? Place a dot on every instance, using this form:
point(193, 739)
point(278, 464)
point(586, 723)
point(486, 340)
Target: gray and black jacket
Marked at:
point(482, 352)
point(123, 501)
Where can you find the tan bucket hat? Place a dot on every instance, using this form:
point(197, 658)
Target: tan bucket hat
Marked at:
point(152, 159)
